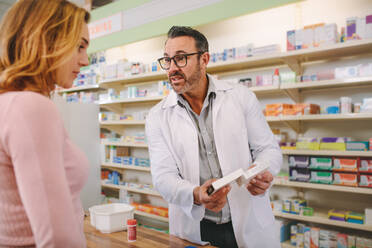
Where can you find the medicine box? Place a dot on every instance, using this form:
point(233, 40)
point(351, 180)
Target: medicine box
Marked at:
point(307, 237)
point(357, 145)
point(365, 165)
point(294, 235)
point(321, 163)
point(368, 27)
point(298, 161)
point(308, 37)
point(296, 205)
point(287, 204)
point(299, 174)
point(365, 180)
point(314, 237)
point(351, 28)
point(346, 179)
point(299, 38)
point(325, 177)
point(291, 40)
point(351, 241)
point(341, 240)
point(331, 35)
point(307, 145)
point(354, 217)
point(333, 146)
point(345, 164)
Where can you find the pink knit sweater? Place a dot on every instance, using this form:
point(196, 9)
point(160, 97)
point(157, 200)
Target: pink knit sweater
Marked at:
point(41, 175)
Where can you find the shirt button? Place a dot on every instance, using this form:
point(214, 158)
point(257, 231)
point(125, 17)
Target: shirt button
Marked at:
point(209, 153)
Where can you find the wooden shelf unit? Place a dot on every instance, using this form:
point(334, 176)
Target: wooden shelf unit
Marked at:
point(294, 59)
point(130, 189)
point(321, 217)
point(127, 144)
point(327, 153)
point(318, 186)
point(126, 167)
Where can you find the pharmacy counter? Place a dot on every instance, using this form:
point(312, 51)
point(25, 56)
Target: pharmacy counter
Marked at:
point(145, 238)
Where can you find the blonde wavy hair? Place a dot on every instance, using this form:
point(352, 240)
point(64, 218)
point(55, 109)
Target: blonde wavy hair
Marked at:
point(37, 37)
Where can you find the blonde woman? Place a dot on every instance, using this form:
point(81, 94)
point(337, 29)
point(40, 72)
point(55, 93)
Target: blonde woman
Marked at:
point(43, 43)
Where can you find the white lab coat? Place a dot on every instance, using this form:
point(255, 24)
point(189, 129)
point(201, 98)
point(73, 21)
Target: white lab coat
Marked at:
point(239, 127)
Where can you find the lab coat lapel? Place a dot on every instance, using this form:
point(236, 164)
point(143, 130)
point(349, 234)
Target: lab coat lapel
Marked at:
point(186, 139)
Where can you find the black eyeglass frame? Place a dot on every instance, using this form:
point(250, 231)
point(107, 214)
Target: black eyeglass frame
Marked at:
point(175, 62)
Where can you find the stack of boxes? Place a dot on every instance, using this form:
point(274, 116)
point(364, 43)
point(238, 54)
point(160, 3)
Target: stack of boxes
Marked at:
point(280, 109)
point(303, 236)
point(345, 171)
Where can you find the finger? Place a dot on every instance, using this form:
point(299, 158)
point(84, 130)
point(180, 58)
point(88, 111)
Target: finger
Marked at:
point(261, 184)
point(255, 190)
point(221, 193)
point(267, 176)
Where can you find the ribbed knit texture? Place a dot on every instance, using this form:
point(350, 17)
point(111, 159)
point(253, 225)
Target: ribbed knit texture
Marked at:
point(41, 175)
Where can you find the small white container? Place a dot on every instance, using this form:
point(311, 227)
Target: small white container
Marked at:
point(112, 217)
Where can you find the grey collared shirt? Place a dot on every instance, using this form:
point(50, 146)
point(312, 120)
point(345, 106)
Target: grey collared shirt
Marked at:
point(208, 159)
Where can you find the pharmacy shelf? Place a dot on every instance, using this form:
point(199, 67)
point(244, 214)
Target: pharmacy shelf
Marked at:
point(133, 100)
point(130, 189)
point(321, 217)
point(292, 58)
point(267, 89)
point(139, 78)
point(127, 144)
point(117, 105)
point(79, 88)
point(295, 58)
point(327, 153)
point(321, 117)
point(328, 187)
point(328, 84)
point(152, 216)
point(127, 167)
point(122, 122)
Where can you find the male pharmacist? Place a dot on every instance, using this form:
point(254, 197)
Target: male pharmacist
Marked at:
point(204, 130)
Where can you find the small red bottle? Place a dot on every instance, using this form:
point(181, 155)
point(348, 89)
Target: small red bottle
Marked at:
point(132, 230)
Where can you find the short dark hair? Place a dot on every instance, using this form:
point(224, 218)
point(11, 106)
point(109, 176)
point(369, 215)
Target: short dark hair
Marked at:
point(200, 40)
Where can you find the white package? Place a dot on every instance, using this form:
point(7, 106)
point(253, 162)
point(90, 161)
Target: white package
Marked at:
point(240, 176)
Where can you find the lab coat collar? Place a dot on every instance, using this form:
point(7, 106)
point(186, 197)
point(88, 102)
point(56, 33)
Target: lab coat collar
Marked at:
point(219, 85)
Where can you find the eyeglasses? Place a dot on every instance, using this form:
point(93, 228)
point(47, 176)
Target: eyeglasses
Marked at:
point(179, 59)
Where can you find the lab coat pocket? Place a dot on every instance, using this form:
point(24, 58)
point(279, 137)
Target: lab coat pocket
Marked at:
point(262, 210)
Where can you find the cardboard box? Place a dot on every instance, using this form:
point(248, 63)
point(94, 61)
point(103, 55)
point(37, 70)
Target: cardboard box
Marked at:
point(365, 180)
point(291, 40)
point(345, 164)
point(365, 165)
point(346, 179)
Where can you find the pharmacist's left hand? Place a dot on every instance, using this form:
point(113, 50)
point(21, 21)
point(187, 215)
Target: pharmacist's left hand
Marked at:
point(260, 183)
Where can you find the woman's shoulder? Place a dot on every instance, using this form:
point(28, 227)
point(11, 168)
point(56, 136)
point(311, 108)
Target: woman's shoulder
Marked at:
point(27, 101)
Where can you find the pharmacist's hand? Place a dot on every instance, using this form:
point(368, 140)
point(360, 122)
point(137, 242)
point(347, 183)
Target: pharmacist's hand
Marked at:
point(214, 202)
point(259, 184)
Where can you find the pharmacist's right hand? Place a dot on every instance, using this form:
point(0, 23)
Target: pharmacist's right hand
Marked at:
point(214, 202)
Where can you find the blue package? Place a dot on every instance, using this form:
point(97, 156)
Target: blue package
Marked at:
point(333, 110)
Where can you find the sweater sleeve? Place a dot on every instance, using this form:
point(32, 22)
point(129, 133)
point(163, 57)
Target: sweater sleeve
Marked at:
point(33, 137)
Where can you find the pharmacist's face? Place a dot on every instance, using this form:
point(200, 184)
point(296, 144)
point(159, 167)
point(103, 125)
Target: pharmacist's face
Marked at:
point(187, 78)
point(67, 72)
